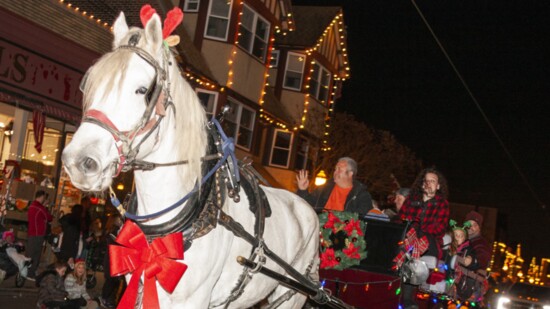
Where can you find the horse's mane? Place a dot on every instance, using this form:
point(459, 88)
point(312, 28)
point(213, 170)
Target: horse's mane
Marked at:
point(187, 117)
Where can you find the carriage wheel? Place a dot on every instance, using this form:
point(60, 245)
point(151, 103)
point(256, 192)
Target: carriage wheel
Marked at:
point(19, 280)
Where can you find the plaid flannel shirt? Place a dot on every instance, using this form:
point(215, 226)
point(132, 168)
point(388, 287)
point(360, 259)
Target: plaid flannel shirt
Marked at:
point(436, 216)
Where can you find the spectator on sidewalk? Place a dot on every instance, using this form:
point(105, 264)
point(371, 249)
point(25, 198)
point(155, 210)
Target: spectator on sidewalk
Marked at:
point(38, 218)
point(52, 293)
point(75, 285)
point(111, 285)
point(71, 226)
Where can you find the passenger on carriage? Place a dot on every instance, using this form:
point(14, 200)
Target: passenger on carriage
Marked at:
point(376, 214)
point(480, 244)
point(400, 196)
point(341, 193)
point(461, 262)
point(427, 210)
point(460, 252)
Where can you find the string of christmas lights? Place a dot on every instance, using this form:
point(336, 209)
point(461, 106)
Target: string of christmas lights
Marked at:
point(84, 13)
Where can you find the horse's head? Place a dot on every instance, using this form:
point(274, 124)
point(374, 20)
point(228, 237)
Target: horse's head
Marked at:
point(126, 94)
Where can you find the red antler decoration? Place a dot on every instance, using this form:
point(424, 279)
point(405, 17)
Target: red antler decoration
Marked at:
point(173, 18)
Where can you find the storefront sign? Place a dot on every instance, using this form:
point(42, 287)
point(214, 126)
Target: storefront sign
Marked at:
point(30, 72)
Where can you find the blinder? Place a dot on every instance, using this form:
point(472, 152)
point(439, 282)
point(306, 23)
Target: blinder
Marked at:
point(153, 97)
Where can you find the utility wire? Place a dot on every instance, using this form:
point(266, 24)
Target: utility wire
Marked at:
point(517, 168)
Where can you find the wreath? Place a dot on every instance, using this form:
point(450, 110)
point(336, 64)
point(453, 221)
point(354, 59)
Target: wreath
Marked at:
point(342, 240)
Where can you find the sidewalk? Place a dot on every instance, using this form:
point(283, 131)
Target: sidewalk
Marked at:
point(26, 297)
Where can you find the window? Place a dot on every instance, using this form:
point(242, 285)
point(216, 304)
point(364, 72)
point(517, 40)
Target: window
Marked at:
point(302, 154)
point(239, 124)
point(320, 83)
point(50, 146)
point(208, 99)
point(253, 33)
point(294, 71)
point(281, 149)
point(218, 19)
point(191, 6)
point(274, 61)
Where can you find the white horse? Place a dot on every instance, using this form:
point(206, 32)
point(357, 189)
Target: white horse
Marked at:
point(118, 128)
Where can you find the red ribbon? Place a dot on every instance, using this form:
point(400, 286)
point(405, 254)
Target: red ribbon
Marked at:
point(156, 261)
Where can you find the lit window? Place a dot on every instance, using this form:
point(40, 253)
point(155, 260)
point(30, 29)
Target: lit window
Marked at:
point(294, 71)
point(253, 33)
point(191, 6)
point(281, 148)
point(218, 19)
point(208, 100)
point(320, 83)
point(274, 61)
point(239, 124)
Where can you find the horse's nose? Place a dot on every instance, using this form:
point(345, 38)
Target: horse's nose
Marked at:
point(89, 165)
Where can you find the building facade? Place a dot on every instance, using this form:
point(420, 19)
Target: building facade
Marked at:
point(280, 69)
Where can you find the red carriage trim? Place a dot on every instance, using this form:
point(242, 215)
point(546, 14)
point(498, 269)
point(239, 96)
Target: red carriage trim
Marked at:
point(156, 261)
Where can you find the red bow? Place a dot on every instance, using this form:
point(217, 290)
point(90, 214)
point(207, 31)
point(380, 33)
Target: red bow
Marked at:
point(416, 246)
point(137, 257)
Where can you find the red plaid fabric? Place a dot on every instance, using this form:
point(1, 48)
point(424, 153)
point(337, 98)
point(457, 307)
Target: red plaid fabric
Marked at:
point(435, 220)
point(413, 245)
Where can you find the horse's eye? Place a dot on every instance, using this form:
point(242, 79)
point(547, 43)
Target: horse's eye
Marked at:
point(141, 90)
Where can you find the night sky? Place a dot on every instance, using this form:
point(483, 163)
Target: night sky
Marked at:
point(401, 82)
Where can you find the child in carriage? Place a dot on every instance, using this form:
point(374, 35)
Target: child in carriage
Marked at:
point(461, 263)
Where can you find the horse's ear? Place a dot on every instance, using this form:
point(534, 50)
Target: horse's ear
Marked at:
point(153, 33)
point(120, 29)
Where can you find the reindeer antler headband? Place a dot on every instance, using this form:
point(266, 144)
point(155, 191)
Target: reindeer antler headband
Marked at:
point(173, 19)
point(454, 225)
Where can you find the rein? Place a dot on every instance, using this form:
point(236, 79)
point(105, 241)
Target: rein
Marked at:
point(228, 151)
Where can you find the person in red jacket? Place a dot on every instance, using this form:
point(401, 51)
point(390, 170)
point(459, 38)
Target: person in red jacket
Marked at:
point(38, 218)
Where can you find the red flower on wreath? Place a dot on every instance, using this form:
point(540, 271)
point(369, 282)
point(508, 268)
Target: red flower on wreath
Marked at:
point(352, 251)
point(353, 225)
point(328, 259)
point(331, 221)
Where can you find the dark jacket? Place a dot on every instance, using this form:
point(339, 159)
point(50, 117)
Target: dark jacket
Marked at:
point(71, 236)
point(52, 287)
point(483, 251)
point(358, 200)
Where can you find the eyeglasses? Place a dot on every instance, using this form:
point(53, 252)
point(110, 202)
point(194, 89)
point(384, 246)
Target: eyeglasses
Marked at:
point(430, 181)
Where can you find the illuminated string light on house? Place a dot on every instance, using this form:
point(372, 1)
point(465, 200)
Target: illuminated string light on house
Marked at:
point(266, 75)
point(341, 48)
point(76, 9)
point(234, 49)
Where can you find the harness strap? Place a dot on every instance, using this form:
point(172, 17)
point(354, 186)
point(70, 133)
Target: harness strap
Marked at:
point(237, 229)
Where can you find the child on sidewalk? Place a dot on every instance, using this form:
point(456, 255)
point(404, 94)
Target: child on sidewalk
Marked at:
point(52, 293)
point(75, 285)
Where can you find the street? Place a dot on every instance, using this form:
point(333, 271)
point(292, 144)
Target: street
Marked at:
point(12, 297)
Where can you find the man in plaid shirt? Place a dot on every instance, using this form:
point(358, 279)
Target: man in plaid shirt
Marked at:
point(428, 211)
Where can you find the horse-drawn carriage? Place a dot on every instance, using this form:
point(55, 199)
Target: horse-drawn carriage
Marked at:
point(195, 208)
